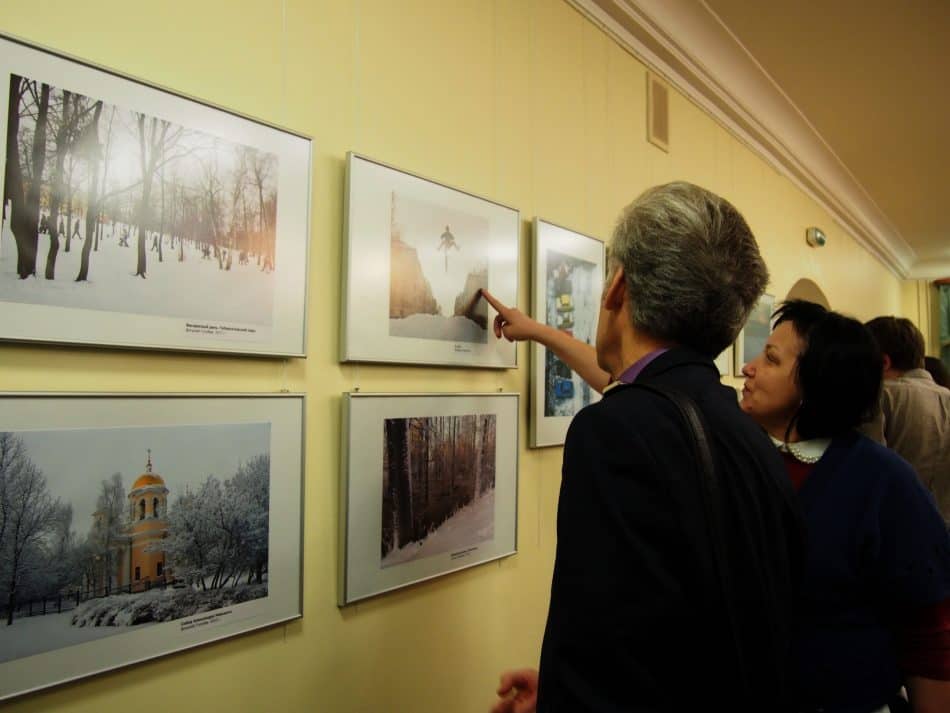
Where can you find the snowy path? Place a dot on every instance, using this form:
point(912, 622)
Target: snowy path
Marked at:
point(472, 524)
point(34, 635)
point(435, 326)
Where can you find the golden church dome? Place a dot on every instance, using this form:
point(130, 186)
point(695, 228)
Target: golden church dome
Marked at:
point(148, 478)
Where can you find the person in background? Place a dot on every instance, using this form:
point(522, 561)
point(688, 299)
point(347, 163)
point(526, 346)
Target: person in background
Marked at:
point(874, 612)
point(938, 372)
point(914, 414)
point(652, 607)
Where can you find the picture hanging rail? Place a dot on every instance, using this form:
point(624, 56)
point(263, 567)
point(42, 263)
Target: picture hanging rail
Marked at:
point(429, 486)
point(417, 255)
point(568, 280)
point(137, 217)
point(142, 525)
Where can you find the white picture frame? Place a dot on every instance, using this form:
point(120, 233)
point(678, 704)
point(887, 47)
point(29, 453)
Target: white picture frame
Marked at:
point(221, 274)
point(576, 263)
point(724, 362)
point(457, 517)
point(130, 593)
point(410, 292)
point(753, 336)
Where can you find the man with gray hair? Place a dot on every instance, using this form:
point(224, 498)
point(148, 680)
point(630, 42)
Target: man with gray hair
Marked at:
point(679, 537)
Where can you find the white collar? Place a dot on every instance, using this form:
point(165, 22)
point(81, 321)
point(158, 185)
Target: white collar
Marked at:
point(809, 451)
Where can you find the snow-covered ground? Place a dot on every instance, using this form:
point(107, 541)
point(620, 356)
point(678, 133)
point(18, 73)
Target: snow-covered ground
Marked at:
point(36, 634)
point(116, 614)
point(194, 289)
point(434, 326)
point(472, 524)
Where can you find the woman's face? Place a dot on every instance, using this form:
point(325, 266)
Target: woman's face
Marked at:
point(770, 393)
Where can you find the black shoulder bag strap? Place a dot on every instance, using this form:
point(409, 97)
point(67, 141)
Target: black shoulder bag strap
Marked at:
point(713, 507)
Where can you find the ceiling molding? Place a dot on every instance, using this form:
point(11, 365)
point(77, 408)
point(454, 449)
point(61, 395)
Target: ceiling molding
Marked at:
point(686, 43)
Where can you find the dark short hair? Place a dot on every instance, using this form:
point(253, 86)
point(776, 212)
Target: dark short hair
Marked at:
point(838, 371)
point(900, 339)
point(693, 268)
point(938, 371)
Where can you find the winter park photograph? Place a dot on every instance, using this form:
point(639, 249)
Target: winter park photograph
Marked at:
point(571, 305)
point(438, 485)
point(438, 264)
point(108, 531)
point(112, 209)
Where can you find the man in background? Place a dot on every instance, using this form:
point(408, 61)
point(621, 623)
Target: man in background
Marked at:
point(914, 417)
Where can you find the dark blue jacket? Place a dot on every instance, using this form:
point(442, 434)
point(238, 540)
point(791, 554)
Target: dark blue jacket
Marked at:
point(637, 620)
point(878, 547)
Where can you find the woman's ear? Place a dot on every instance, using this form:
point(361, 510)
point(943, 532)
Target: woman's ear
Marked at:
point(616, 292)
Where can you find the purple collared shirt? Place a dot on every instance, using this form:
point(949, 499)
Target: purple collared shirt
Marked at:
point(631, 373)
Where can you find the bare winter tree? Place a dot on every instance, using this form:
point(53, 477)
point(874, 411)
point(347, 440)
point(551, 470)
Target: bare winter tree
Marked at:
point(158, 139)
point(28, 513)
point(110, 517)
point(89, 149)
point(262, 165)
point(399, 479)
point(25, 100)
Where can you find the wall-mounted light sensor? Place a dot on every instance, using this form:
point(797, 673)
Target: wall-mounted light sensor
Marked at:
point(815, 238)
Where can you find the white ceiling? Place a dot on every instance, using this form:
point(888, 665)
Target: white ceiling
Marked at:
point(849, 97)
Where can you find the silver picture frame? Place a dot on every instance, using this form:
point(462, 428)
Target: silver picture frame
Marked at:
point(568, 271)
point(451, 502)
point(416, 253)
point(148, 524)
point(161, 221)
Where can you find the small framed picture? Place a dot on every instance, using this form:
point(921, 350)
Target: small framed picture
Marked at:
point(724, 362)
point(429, 486)
point(568, 280)
point(751, 340)
point(140, 218)
point(417, 255)
point(140, 525)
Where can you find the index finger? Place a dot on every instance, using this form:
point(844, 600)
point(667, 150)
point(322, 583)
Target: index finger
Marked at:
point(493, 301)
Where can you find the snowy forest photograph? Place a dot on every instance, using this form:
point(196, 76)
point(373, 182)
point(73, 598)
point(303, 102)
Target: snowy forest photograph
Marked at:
point(438, 485)
point(109, 208)
point(438, 264)
point(105, 531)
point(572, 304)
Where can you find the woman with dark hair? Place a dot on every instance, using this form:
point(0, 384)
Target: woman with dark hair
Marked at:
point(875, 606)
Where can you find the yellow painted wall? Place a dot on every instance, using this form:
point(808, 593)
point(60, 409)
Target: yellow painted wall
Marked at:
point(522, 101)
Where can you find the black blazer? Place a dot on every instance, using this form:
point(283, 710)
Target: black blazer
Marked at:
point(637, 620)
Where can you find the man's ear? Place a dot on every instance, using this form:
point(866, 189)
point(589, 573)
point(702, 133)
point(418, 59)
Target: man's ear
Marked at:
point(616, 291)
point(887, 362)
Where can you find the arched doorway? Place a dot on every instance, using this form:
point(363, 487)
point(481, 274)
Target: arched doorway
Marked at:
point(805, 289)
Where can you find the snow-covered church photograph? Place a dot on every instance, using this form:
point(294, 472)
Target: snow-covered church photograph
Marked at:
point(111, 530)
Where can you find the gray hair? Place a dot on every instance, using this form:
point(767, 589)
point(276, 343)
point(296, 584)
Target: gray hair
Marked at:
point(693, 269)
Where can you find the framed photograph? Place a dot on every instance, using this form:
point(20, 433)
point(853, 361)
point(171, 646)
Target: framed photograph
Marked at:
point(751, 340)
point(417, 254)
point(137, 217)
point(137, 525)
point(429, 486)
point(724, 362)
point(568, 281)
